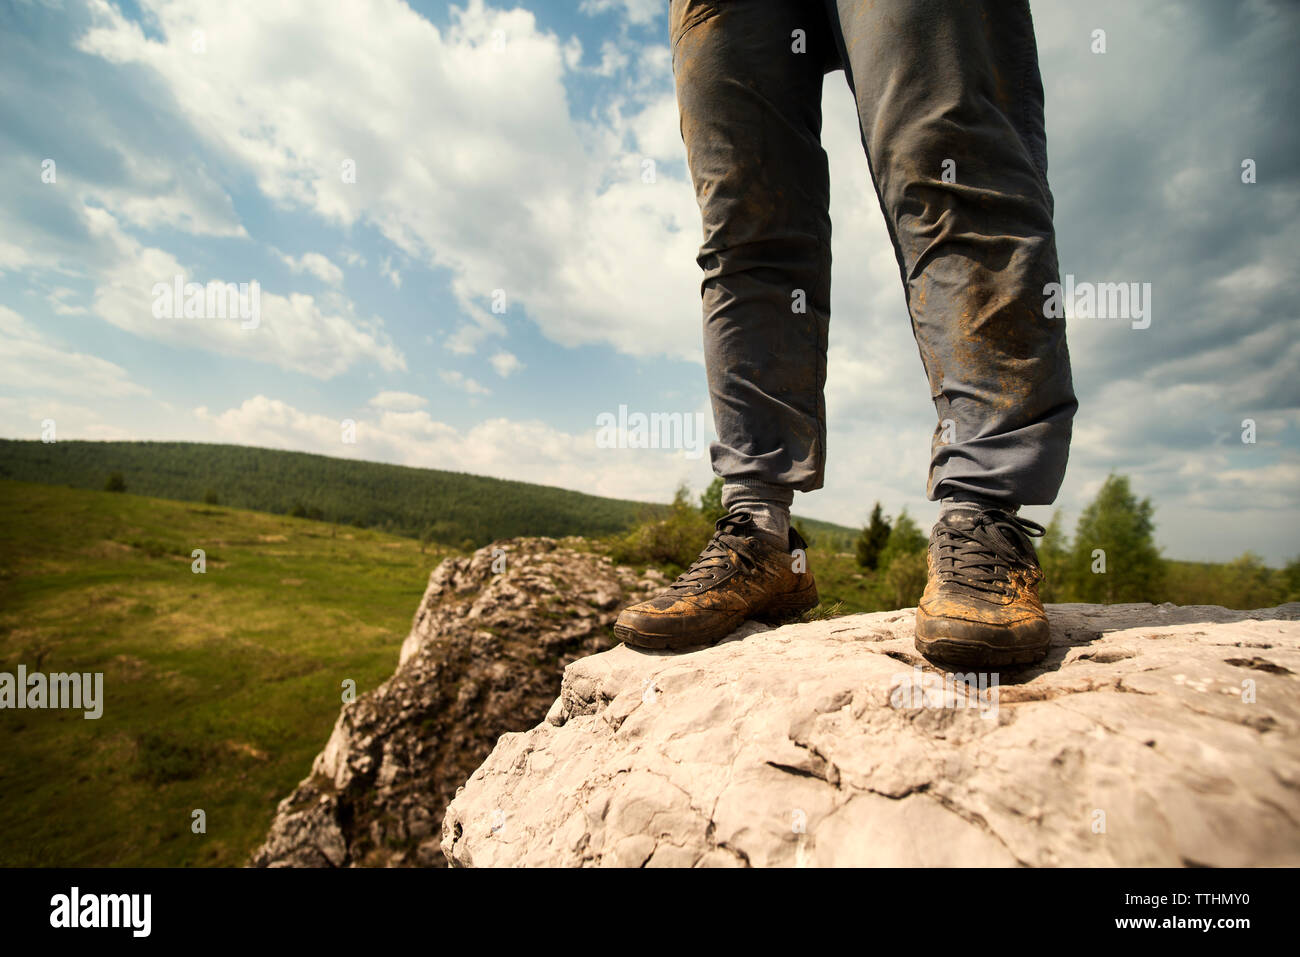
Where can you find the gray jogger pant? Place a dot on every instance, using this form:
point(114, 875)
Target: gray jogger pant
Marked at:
point(950, 105)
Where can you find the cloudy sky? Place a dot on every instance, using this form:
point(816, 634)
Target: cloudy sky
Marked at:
point(499, 271)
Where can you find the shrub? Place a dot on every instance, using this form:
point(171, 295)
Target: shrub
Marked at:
point(905, 579)
point(904, 539)
point(671, 543)
point(711, 500)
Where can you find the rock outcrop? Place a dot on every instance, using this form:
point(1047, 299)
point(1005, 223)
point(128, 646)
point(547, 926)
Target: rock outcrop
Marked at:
point(1151, 735)
point(484, 656)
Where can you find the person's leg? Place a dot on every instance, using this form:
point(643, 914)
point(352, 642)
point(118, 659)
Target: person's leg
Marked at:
point(950, 104)
point(749, 82)
point(749, 76)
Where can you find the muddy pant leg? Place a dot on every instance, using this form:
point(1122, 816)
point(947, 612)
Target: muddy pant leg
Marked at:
point(749, 92)
point(950, 104)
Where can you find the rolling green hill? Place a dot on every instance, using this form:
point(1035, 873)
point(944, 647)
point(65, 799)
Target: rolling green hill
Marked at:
point(450, 508)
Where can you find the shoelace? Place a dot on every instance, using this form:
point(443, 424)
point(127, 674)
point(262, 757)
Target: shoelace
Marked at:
point(716, 557)
point(983, 556)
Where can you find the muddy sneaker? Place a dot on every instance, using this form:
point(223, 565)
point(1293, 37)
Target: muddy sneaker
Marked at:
point(981, 604)
point(737, 576)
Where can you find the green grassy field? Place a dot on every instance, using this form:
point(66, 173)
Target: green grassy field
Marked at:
point(219, 688)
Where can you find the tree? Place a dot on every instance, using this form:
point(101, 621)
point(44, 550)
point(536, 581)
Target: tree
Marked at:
point(1054, 557)
point(1115, 558)
point(116, 483)
point(904, 539)
point(1249, 583)
point(711, 500)
point(681, 498)
point(1290, 576)
point(874, 535)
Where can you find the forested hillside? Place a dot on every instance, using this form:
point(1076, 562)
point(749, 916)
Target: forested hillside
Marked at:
point(451, 508)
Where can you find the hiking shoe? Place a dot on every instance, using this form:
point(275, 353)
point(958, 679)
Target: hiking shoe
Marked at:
point(738, 576)
point(981, 604)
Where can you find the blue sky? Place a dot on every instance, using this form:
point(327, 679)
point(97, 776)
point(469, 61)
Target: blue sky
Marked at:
point(502, 147)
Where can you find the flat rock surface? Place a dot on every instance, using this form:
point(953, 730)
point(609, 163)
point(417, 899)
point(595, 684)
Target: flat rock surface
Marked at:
point(1150, 736)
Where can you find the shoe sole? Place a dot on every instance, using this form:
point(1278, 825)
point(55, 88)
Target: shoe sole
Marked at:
point(781, 608)
point(977, 654)
point(972, 651)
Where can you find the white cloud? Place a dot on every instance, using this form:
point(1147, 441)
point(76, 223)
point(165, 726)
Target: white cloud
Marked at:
point(398, 401)
point(29, 361)
point(636, 11)
point(388, 272)
point(271, 423)
point(193, 204)
point(297, 332)
point(461, 381)
point(506, 364)
point(14, 257)
point(316, 265)
point(612, 59)
point(528, 451)
point(466, 339)
point(57, 299)
point(467, 159)
point(657, 132)
point(23, 417)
